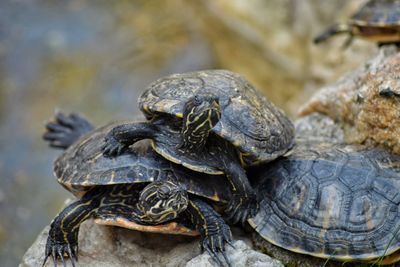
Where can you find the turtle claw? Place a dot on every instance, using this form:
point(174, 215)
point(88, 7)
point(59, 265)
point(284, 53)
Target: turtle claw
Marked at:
point(60, 250)
point(112, 147)
point(240, 209)
point(215, 246)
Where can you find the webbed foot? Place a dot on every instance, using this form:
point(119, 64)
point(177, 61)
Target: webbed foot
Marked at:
point(64, 129)
point(240, 209)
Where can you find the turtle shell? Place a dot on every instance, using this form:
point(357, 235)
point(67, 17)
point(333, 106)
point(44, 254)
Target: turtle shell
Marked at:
point(378, 13)
point(83, 166)
point(249, 121)
point(378, 20)
point(337, 202)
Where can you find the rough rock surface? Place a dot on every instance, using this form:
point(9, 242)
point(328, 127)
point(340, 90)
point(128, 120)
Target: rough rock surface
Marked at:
point(292, 259)
point(318, 128)
point(365, 102)
point(104, 246)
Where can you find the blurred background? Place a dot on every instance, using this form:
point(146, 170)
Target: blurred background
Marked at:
point(96, 57)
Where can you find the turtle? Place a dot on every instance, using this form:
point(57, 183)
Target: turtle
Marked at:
point(210, 121)
point(138, 190)
point(376, 20)
point(340, 202)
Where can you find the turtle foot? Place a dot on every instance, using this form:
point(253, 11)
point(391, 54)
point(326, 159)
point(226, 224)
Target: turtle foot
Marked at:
point(60, 251)
point(64, 129)
point(113, 148)
point(240, 209)
point(215, 244)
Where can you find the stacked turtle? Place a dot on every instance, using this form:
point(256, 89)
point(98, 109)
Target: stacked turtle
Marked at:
point(300, 195)
point(137, 190)
point(205, 128)
point(212, 122)
point(210, 129)
point(329, 201)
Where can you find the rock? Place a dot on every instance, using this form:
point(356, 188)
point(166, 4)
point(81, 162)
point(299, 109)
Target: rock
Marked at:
point(318, 128)
point(289, 258)
point(241, 256)
point(365, 102)
point(114, 247)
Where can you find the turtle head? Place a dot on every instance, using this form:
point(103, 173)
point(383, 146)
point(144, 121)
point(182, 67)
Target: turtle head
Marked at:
point(200, 114)
point(161, 202)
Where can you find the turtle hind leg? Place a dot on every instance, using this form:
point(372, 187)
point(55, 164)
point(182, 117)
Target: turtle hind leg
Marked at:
point(215, 233)
point(333, 30)
point(64, 129)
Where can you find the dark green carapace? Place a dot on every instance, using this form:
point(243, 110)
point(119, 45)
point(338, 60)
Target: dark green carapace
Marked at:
point(331, 201)
point(211, 121)
point(139, 190)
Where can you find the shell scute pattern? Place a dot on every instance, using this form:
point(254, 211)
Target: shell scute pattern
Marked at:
point(325, 170)
point(387, 190)
point(83, 164)
point(355, 179)
point(348, 211)
point(248, 120)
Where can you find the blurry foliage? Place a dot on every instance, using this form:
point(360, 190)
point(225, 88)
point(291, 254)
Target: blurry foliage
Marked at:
point(270, 42)
point(157, 36)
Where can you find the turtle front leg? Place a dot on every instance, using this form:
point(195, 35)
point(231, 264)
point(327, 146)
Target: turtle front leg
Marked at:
point(99, 202)
point(215, 233)
point(124, 135)
point(63, 235)
point(243, 204)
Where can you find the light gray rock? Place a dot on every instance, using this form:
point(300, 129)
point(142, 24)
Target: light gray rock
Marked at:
point(103, 246)
point(318, 128)
point(240, 256)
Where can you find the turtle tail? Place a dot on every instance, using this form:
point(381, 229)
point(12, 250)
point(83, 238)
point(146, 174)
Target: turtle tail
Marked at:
point(64, 130)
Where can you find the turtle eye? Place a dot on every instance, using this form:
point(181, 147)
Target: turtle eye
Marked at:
point(196, 100)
